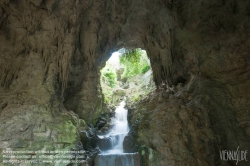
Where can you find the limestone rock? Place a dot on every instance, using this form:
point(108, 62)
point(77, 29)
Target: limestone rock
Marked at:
point(52, 53)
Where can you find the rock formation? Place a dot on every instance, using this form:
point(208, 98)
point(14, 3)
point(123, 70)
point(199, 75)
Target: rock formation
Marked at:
point(52, 52)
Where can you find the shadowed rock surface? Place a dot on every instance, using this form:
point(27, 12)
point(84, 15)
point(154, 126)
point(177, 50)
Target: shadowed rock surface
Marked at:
point(52, 52)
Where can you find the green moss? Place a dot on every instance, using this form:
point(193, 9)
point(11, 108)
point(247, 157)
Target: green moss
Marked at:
point(82, 122)
point(151, 154)
point(38, 145)
point(41, 137)
point(21, 143)
point(67, 132)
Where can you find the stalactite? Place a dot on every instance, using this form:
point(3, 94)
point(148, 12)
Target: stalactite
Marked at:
point(8, 74)
point(31, 22)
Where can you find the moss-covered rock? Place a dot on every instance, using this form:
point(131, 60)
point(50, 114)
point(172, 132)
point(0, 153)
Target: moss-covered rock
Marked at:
point(65, 132)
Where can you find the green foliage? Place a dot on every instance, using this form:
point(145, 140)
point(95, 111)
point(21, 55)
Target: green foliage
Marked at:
point(131, 59)
point(136, 97)
point(106, 100)
point(145, 68)
point(108, 81)
point(111, 77)
point(107, 95)
point(133, 62)
point(108, 76)
point(131, 56)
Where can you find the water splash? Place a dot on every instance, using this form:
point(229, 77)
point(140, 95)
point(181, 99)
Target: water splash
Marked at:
point(112, 143)
point(125, 159)
point(118, 132)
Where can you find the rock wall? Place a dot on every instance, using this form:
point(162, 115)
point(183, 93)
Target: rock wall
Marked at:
point(52, 52)
point(178, 128)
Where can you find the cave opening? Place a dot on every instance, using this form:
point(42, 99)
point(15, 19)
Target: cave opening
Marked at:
point(51, 99)
point(125, 80)
point(127, 73)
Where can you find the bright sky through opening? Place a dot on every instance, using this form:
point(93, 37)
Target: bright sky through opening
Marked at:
point(114, 59)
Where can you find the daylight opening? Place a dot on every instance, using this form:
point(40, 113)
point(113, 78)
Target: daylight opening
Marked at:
point(127, 74)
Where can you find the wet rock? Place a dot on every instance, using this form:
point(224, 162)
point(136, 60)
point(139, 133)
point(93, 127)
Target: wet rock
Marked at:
point(104, 143)
point(131, 159)
point(120, 92)
point(129, 144)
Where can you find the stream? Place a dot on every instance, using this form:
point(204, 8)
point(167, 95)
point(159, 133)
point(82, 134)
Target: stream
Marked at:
point(111, 144)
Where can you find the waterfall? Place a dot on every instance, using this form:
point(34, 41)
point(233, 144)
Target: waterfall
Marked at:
point(118, 131)
point(111, 144)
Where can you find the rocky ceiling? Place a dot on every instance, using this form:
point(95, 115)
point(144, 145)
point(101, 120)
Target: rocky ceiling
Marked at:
point(52, 51)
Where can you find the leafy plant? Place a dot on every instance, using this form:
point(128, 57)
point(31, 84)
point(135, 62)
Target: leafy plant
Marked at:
point(111, 77)
point(133, 62)
point(108, 76)
point(106, 100)
point(136, 97)
point(145, 68)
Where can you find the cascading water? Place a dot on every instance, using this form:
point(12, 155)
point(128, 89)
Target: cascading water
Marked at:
point(119, 130)
point(111, 144)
